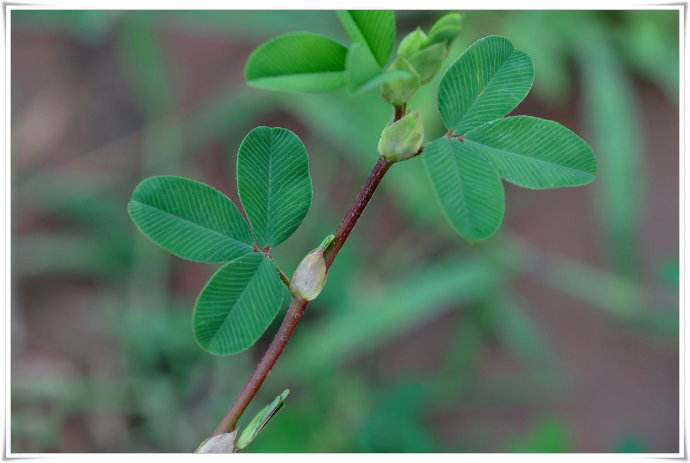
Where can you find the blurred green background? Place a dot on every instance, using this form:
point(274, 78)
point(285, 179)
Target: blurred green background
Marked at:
point(560, 334)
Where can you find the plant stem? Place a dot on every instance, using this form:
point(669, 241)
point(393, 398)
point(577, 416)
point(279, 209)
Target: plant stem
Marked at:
point(298, 305)
point(399, 111)
point(363, 197)
point(293, 315)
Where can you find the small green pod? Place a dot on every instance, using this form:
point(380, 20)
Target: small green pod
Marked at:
point(402, 139)
point(310, 276)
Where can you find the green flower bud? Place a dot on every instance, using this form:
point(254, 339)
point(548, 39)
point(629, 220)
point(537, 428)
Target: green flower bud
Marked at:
point(445, 28)
point(402, 139)
point(428, 61)
point(398, 91)
point(412, 42)
point(310, 276)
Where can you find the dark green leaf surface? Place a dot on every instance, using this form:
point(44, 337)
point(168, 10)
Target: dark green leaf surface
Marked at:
point(189, 219)
point(488, 81)
point(273, 183)
point(467, 186)
point(375, 29)
point(297, 62)
point(237, 304)
point(534, 153)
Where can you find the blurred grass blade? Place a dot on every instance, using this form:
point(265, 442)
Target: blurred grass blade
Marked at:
point(393, 309)
point(520, 333)
point(547, 436)
point(226, 116)
point(649, 40)
point(59, 254)
point(617, 136)
point(598, 287)
point(148, 68)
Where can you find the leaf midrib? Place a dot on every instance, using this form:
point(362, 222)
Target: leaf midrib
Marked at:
point(269, 225)
point(456, 164)
point(193, 224)
point(527, 157)
point(488, 83)
point(239, 298)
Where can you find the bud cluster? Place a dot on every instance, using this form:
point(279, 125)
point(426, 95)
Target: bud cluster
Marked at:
point(420, 56)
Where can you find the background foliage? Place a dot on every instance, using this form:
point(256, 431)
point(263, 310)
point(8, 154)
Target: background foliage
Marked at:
point(558, 334)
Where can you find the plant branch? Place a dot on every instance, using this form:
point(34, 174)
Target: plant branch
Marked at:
point(350, 219)
point(298, 305)
point(292, 317)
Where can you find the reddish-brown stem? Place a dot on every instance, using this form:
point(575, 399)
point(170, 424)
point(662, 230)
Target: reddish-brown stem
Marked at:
point(294, 313)
point(298, 305)
point(363, 197)
point(399, 111)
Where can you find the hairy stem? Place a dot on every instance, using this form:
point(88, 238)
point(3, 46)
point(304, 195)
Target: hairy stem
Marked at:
point(298, 305)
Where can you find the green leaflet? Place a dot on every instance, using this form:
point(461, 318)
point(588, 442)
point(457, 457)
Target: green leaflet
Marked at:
point(534, 153)
point(488, 81)
point(467, 186)
point(237, 304)
point(375, 29)
point(297, 62)
point(260, 420)
point(273, 182)
point(189, 219)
